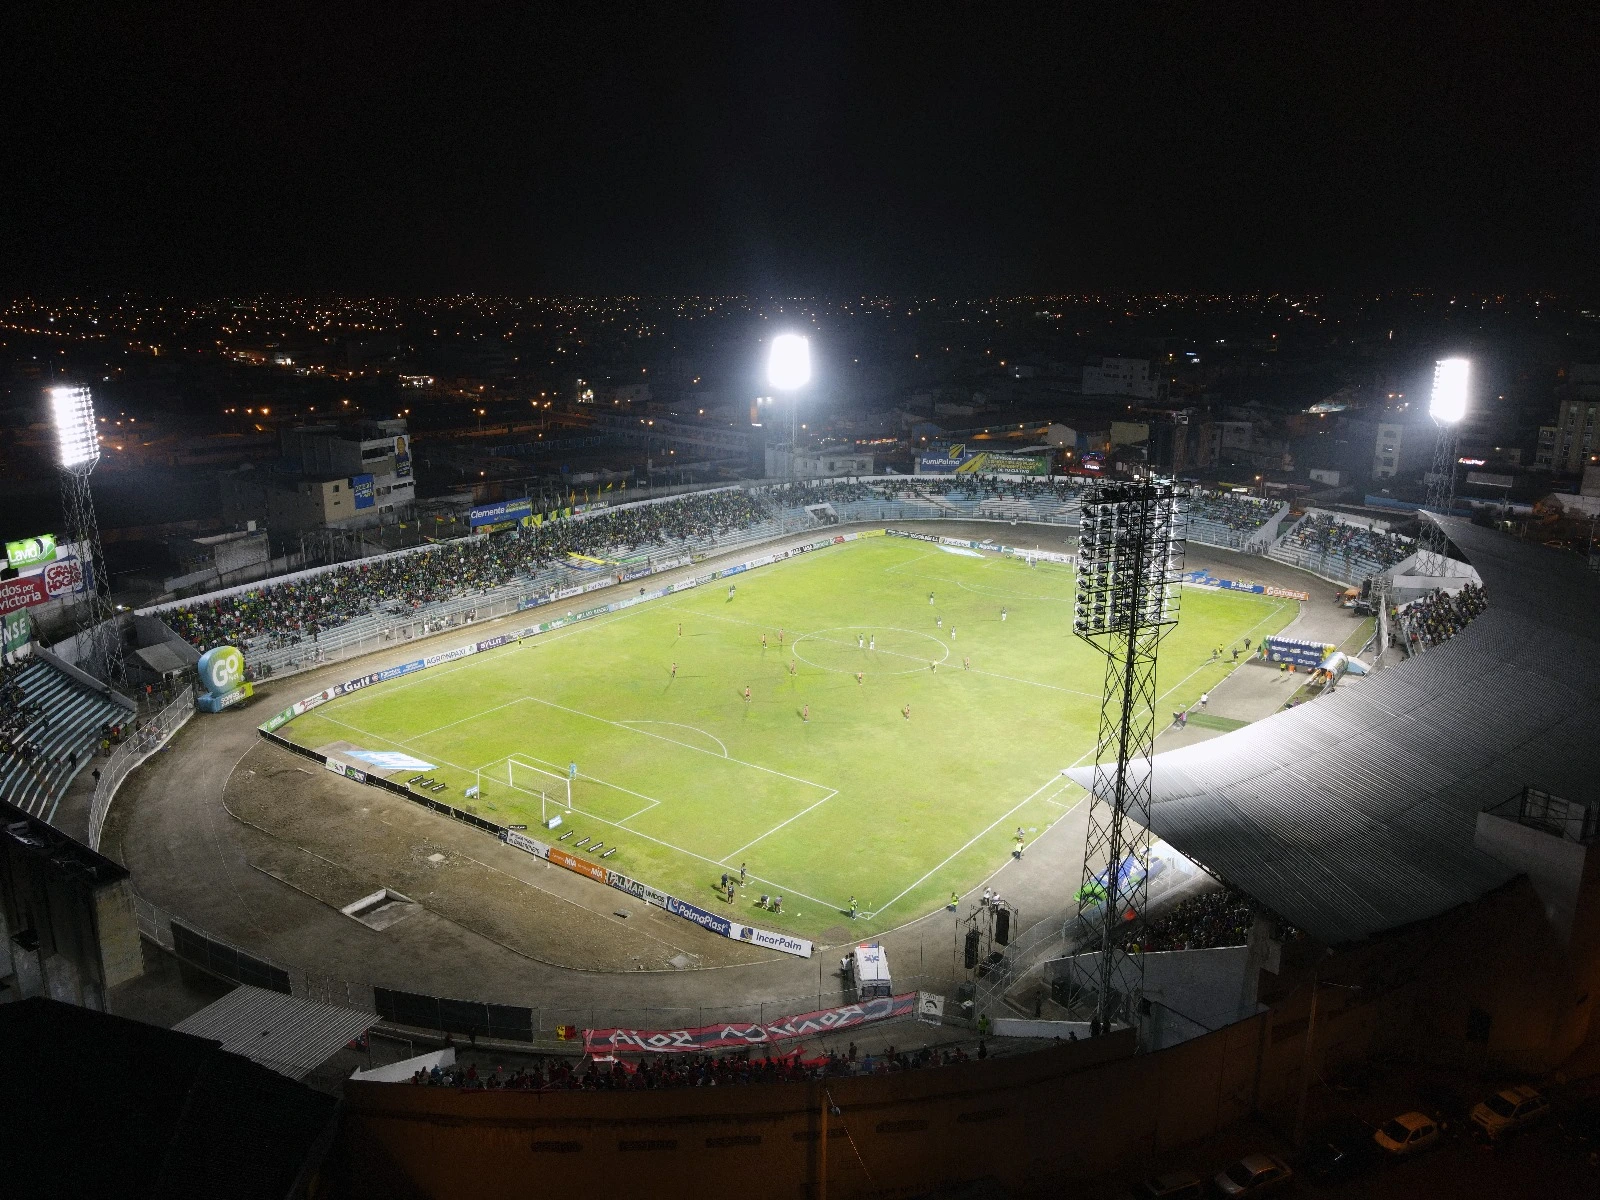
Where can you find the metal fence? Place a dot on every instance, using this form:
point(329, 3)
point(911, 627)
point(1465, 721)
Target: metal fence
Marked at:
point(147, 738)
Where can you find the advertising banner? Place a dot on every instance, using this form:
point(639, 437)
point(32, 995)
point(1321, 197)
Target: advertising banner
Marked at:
point(22, 593)
point(402, 457)
point(1295, 651)
point(799, 947)
point(66, 576)
point(16, 632)
point(500, 513)
point(389, 673)
point(581, 865)
point(527, 844)
point(339, 768)
point(362, 488)
point(702, 918)
point(31, 551)
point(734, 1035)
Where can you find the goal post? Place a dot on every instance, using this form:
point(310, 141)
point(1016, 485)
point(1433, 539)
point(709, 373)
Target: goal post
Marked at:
point(530, 778)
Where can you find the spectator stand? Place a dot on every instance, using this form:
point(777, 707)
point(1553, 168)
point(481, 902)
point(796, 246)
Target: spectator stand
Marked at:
point(329, 614)
point(54, 720)
point(1437, 617)
point(1340, 548)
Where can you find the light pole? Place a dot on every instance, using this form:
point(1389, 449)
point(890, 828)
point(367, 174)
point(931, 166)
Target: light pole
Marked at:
point(1447, 406)
point(789, 370)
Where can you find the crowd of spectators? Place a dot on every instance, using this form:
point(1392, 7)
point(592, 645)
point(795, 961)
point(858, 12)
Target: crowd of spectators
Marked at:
point(1219, 918)
point(1438, 617)
point(1232, 510)
point(283, 613)
point(688, 1070)
point(1321, 536)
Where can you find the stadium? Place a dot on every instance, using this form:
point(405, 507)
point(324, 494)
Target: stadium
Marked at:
point(652, 777)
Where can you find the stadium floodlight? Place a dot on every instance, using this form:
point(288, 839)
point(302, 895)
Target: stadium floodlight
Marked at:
point(1449, 402)
point(789, 363)
point(78, 442)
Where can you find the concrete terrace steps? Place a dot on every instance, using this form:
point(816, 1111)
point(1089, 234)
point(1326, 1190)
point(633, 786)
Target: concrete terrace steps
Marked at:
point(68, 729)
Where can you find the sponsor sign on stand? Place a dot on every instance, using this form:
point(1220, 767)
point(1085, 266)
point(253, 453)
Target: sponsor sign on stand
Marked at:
point(31, 552)
point(361, 486)
point(17, 632)
point(502, 513)
point(22, 593)
point(66, 576)
point(733, 1035)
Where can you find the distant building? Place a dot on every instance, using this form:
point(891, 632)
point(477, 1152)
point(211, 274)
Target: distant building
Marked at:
point(1402, 447)
point(782, 463)
point(352, 474)
point(1122, 377)
point(1574, 441)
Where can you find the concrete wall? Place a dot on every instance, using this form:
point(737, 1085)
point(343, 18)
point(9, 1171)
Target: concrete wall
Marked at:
point(1018, 1120)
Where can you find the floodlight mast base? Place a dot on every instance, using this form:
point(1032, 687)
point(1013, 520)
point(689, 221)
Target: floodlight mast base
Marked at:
point(1432, 559)
point(99, 638)
point(1130, 557)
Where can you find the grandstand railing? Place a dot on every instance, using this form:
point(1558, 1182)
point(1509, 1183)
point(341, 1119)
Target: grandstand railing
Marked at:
point(145, 741)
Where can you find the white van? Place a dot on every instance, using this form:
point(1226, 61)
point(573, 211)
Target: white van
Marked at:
point(867, 968)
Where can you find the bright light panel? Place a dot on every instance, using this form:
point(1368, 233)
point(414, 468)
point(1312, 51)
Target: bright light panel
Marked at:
point(1449, 403)
point(789, 365)
point(75, 432)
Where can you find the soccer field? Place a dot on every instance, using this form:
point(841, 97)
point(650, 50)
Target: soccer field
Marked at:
point(686, 779)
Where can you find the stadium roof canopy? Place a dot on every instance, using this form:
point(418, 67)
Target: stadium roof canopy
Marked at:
point(1355, 814)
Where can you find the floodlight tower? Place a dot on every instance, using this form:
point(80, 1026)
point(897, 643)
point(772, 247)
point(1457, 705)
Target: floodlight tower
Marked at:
point(78, 443)
point(789, 370)
point(1130, 555)
point(1447, 407)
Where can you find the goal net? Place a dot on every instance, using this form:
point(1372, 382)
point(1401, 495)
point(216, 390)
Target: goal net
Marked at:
point(522, 777)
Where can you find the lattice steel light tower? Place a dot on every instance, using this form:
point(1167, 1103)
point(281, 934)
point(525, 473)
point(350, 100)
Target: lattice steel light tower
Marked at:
point(78, 444)
point(1447, 406)
point(1130, 555)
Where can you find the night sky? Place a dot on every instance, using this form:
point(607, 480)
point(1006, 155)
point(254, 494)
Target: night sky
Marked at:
point(798, 149)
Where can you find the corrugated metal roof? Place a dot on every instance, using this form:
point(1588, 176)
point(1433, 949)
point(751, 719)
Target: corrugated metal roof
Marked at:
point(291, 1035)
point(1356, 814)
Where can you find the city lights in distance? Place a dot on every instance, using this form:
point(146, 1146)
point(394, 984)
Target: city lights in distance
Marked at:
point(73, 411)
point(1449, 402)
point(789, 363)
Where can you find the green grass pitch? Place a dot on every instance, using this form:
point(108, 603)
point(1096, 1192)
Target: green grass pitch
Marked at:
point(689, 780)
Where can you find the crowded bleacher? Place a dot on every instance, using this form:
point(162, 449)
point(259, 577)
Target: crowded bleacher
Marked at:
point(1228, 518)
point(1219, 918)
point(1438, 617)
point(280, 613)
point(1323, 543)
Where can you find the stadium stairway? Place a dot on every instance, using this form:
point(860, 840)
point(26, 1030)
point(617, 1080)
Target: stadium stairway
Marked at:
point(66, 731)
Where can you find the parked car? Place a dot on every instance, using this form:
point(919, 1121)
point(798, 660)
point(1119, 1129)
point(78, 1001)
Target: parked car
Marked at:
point(1174, 1185)
point(1507, 1111)
point(1253, 1175)
point(1337, 1151)
point(1409, 1133)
